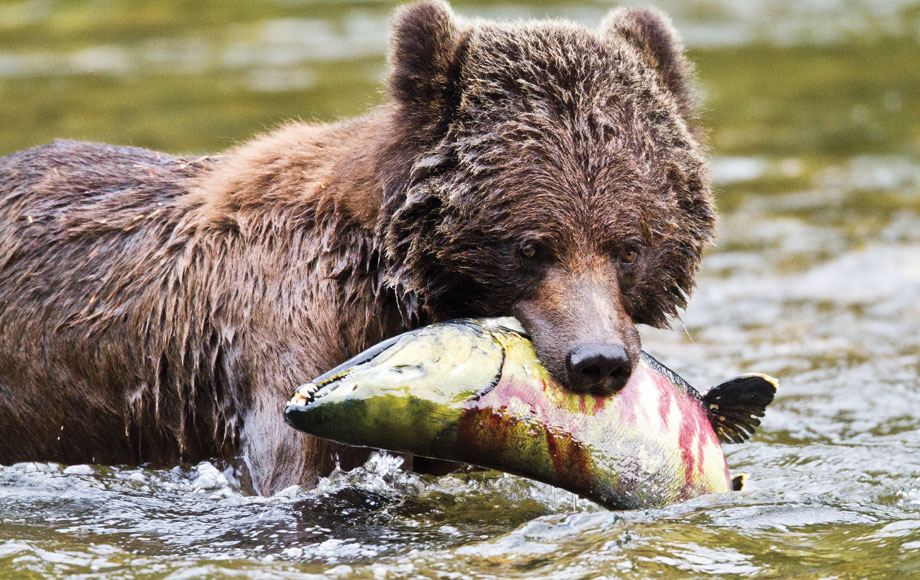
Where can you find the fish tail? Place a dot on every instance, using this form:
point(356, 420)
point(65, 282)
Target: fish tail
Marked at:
point(735, 406)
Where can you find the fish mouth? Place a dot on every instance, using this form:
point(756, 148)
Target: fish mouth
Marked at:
point(323, 384)
point(309, 393)
point(304, 395)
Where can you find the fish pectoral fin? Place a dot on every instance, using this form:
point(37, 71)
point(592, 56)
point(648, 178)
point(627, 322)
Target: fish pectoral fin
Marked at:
point(735, 406)
point(738, 481)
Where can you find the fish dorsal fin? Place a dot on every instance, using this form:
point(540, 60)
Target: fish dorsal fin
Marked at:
point(735, 406)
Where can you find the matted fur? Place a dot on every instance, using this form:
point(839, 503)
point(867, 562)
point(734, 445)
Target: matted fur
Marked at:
point(159, 309)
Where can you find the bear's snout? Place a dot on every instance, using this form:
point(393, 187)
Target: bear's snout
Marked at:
point(601, 368)
point(580, 330)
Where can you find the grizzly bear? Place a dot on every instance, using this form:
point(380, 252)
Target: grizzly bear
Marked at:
point(159, 309)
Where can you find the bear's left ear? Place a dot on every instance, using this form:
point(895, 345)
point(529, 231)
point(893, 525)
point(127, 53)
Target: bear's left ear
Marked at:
point(424, 61)
point(651, 32)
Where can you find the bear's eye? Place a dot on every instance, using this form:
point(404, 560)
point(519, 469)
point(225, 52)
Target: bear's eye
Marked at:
point(629, 255)
point(529, 250)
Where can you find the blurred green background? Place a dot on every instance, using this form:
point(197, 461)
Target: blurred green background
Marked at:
point(779, 77)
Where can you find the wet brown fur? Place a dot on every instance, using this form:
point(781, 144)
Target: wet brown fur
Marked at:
point(156, 308)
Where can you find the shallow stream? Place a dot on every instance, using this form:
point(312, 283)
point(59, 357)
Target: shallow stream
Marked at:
point(814, 110)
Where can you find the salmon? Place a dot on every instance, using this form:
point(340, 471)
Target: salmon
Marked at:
point(474, 391)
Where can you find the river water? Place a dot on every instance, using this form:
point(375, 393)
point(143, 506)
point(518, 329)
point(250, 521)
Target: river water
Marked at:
point(814, 108)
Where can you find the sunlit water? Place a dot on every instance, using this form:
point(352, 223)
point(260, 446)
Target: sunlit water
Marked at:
point(815, 114)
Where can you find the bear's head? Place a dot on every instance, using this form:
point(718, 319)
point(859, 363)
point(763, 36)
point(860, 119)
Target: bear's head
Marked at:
point(546, 171)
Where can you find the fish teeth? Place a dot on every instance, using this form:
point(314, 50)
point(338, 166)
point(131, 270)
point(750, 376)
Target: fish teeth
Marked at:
point(304, 395)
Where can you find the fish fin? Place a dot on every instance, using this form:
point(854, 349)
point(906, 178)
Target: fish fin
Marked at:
point(735, 406)
point(738, 481)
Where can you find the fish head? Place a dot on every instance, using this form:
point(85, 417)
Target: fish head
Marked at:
point(420, 379)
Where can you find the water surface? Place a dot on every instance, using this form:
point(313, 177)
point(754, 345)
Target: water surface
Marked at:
point(814, 110)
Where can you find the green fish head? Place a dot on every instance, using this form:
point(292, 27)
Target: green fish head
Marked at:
point(421, 380)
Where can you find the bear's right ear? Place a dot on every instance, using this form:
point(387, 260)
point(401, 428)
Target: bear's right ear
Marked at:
point(424, 61)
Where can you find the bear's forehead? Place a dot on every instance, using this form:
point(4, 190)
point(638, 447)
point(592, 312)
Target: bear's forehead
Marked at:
point(557, 89)
point(556, 200)
point(546, 56)
point(567, 133)
point(537, 158)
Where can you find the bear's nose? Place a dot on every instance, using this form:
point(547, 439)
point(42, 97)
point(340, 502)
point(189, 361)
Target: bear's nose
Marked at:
point(601, 368)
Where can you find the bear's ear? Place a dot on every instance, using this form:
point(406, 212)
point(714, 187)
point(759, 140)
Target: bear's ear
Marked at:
point(651, 32)
point(424, 60)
